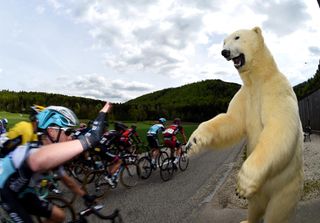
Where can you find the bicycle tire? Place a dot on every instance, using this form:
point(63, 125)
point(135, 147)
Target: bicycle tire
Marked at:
point(144, 167)
point(183, 161)
point(61, 203)
point(79, 171)
point(167, 169)
point(162, 156)
point(129, 175)
point(98, 186)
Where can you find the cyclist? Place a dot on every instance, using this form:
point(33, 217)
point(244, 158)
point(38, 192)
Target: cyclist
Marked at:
point(128, 137)
point(21, 133)
point(3, 125)
point(170, 138)
point(22, 164)
point(153, 140)
point(109, 141)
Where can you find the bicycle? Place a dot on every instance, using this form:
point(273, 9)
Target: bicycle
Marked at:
point(146, 166)
point(169, 166)
point(127, 173)
point(80, 217)
point(115, 217)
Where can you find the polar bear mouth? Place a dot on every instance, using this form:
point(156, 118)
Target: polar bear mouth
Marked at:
point(239, 61)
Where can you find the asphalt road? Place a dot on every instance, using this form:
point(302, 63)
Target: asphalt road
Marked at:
point(177, 200)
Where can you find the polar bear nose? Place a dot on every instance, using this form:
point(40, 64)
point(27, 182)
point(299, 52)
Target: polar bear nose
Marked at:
point(225, 53)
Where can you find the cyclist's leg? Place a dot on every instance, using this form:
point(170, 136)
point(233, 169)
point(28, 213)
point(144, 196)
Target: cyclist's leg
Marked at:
point(42, 208)
point(178, 148)
point(12, 205)
point(155, 149)
point(57, 215)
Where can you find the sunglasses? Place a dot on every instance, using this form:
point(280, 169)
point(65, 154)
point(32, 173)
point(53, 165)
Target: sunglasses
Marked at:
point(67, 131)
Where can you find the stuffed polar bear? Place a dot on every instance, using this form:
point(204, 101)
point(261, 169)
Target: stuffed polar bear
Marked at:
point(265, 113)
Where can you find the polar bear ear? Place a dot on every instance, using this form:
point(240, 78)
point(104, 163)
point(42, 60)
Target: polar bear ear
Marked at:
point(257, 30)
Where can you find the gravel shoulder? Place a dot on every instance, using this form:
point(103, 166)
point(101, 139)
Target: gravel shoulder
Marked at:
point(226, 197)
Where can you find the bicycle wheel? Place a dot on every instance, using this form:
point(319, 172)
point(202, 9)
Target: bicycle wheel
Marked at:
point(183, 161)
point(79, 171)
point(162, 156)
point(129, 175)
point(65, 205)
point(167, 169)
point(144, 167)
point(98, 186)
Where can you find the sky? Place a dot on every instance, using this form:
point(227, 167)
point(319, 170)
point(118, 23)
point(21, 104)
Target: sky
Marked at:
point(117, 50)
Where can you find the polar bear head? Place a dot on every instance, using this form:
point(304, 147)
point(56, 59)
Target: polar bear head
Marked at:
point(242, 47)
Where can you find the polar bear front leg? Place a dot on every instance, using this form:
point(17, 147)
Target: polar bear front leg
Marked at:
point(249, 180)
point(223, 130)
point(219, 132)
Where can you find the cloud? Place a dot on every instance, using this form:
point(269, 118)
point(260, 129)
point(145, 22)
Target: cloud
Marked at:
point(100, 87)
point(173, 42)
point(315, 50)
point(283, 17)
point(40, 9)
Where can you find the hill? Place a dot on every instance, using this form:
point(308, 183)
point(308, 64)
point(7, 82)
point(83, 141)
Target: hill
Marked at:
point(309, 86)
point(192, 102)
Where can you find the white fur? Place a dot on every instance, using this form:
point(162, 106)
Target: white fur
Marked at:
point(265, 113)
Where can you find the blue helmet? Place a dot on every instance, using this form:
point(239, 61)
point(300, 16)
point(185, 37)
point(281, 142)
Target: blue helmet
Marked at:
point(5, 121)
point(162, 120)
point(56, 115)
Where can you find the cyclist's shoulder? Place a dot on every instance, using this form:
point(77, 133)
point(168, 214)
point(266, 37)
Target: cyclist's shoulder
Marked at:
point(22, 126)
point(20, 153)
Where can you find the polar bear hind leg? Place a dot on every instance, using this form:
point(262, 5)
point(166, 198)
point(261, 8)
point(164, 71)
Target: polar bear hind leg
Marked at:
point(283, 204)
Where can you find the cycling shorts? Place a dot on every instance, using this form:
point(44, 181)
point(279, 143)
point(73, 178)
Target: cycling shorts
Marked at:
point(153, 141)
point(21, 208)
point(172, 142)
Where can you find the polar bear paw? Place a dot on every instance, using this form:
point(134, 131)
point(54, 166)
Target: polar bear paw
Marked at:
point(198, 140)
point(247, 185)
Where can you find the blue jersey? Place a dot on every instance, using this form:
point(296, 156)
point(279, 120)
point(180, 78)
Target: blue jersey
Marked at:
point(155, 129)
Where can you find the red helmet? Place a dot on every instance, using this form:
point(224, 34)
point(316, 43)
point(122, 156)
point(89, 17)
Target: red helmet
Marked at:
point(177, 121)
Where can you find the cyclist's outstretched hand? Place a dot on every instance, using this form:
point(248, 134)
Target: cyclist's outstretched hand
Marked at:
point(106, 108)
point(92, 137)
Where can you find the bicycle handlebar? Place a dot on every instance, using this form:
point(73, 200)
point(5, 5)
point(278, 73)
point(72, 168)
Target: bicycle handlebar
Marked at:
point(95, 208)
point(115, 214)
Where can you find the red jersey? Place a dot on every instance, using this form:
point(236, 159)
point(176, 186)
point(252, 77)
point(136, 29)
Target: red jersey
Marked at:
point(173, 130)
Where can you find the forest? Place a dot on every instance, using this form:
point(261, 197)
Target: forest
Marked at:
point(194, 102)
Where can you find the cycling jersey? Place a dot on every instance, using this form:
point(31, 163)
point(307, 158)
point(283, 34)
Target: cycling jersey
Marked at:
point(128, 136)
point(15, 177)
point(169, 136)
point(172, 130)
point(152, 135)
point(155, 129)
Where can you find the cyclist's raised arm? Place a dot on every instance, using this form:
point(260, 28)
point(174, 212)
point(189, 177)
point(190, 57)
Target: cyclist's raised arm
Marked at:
point(52, 155)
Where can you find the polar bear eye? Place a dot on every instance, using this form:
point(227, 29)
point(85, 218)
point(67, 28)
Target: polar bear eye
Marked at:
point(237, 37)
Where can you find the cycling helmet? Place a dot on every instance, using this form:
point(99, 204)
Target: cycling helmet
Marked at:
point(35, 109)
point(4, 121)
point(177, 121)
point(162, 120)
point(119, 126)
point(56, 115)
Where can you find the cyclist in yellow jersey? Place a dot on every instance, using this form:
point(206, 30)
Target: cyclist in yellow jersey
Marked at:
point(21, 133)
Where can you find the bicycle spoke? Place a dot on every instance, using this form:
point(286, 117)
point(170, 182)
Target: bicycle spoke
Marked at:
point(183, 161)
point(144, 167)
point(167, 169)
point(129, 176)
point(98, 186)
